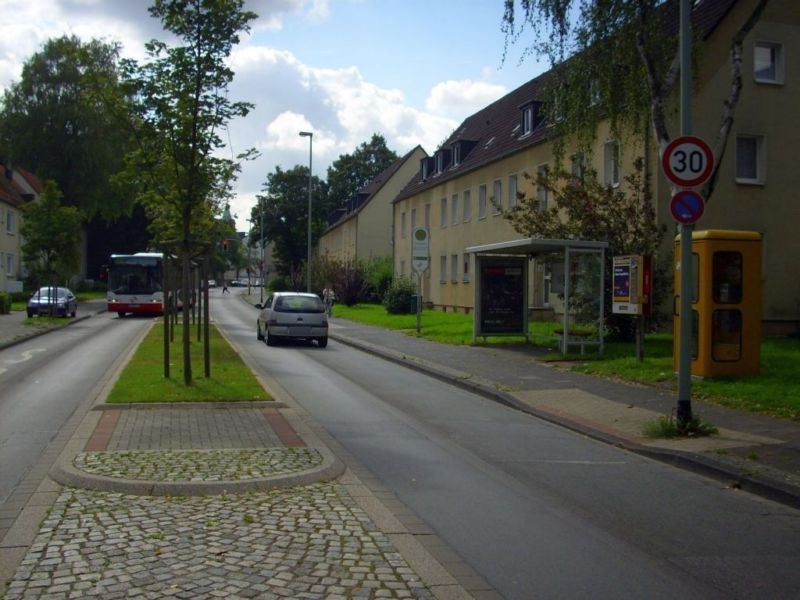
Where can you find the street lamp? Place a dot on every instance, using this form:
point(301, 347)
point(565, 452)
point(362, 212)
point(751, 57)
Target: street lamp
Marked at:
point(310, 136)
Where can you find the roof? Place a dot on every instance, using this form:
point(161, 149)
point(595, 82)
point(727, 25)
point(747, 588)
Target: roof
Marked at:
point(536, 246)
point(494, 131)
point(11, 191)
point(369, 191)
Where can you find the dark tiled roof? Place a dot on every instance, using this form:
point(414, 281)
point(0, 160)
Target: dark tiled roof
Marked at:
point(495, 130)
point(9, 191)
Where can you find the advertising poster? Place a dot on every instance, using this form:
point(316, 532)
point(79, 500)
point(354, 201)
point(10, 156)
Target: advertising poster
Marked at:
point(502, 308)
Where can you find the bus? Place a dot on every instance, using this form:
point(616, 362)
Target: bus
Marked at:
point(134, 284)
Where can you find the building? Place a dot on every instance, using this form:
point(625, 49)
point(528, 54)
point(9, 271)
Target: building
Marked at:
point(17, 187)
point(486, 159)
point(362, 229)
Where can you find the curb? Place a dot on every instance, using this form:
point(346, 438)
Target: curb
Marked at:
point(761, 485)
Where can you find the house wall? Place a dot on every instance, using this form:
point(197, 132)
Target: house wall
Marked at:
point(339, 242)
point(10, 246)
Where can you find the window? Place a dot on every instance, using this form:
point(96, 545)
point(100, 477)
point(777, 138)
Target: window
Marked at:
point(527, 119)
point(424, 169)
point(443, 217)
point(403, 224)
point(10, 263)
point(413, 219)
point(465, 274)
point(443, 269)
point(768, 63)
point(467, 210)
point(454, 209)
point(578, 169)
point(10, 223)
point(512, 191)
point(456, 154)
point(611, 164)
point(541, 191)
point(402, 267)
point(454, 268)
point(427, 216)
point(750, 159)
point(482, 201)
point(497, 199)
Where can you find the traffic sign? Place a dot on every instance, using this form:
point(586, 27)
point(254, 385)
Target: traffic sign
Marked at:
point(688, 161)
point(687, 206)
point(420, 249)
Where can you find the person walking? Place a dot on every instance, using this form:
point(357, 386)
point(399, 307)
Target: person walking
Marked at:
point(328, 296)
point(225, 289)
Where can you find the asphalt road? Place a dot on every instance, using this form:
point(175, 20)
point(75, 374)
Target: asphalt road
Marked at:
point(537, 510)
point(43, 381)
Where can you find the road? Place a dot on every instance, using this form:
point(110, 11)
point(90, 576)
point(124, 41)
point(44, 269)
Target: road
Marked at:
point(537, 510)
point(43, 381)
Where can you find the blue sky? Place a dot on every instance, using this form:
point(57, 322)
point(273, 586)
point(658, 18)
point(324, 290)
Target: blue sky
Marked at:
point(411, 70)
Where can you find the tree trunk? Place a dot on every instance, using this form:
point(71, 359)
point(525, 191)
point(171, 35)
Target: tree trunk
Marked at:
point(186, 291)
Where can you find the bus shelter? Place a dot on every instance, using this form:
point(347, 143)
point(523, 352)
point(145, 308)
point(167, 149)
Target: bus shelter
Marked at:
point(501, 288)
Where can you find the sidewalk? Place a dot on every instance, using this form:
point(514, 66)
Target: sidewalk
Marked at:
point(752, 452)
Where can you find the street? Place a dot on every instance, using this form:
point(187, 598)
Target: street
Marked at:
point(537, 510)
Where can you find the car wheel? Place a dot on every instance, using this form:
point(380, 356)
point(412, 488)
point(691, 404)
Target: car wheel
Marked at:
point(73, 313)
point(259, 335)
point(323, 342)
point(271, 340)
point(121, 314)
point(30, 314)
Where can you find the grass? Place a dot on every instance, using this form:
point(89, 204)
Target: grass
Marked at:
point(143, 380)
point(775, 391)
point(669, 428)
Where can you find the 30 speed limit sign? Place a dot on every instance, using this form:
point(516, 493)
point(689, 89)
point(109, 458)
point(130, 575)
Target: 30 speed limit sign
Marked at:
point(687, 161)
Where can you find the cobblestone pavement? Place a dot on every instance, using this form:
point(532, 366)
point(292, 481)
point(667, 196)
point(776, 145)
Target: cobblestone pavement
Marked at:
point(308, 542)
point(198, 465)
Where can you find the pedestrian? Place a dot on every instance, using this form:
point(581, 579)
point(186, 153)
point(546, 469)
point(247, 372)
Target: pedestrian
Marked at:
point(225, 289)
point(328, 296)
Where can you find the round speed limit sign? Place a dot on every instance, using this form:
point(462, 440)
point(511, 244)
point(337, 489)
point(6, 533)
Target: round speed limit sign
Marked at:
point(687, 161)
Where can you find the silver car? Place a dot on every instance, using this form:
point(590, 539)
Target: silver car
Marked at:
point(292, 315)
point(57, 300)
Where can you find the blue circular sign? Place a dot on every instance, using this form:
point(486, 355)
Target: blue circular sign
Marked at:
point(687, 206)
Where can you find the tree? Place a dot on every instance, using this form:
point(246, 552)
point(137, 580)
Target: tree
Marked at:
point(179, 106)
point(618, 60)
point(590, 210)
point(285, 207)
point(351, 172)
point(51, 234)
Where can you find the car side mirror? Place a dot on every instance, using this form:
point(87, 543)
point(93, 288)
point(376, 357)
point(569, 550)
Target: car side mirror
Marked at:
point(258, 306)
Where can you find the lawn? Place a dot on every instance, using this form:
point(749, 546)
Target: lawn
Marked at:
point(143, 380)
point(775, 391)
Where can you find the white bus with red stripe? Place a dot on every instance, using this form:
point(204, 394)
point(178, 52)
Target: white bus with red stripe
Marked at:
point(134, 284)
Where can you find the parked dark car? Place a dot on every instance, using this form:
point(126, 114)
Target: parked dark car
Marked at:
point(292, 315)
point(57, 300)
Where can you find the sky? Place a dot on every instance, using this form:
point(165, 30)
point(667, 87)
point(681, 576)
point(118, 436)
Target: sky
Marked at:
point(410, 70)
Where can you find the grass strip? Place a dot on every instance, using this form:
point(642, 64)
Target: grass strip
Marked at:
point(143, 379)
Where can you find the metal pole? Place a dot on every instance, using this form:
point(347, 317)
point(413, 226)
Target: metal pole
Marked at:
point(684, 410)
point(419, 300)
point(308, 255)
point(261, 239)
point(165, 276)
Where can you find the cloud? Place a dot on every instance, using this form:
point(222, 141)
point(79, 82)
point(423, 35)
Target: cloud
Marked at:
point(463, 97)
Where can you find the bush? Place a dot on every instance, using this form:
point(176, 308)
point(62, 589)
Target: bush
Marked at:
point(379, 274)
point(5, 303)
point(278, 284)
point(398, 297)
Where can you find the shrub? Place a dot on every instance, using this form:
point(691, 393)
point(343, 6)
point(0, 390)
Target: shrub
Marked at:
point(378, 274)
point(278, 284)
point(350, 286)
point(5, 303)
point(398, 297)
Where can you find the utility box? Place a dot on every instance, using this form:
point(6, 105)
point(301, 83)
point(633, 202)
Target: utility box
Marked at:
point(726, 303)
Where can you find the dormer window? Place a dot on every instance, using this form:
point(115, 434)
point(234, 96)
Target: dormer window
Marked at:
point(456, 154)
point(425, 167)
point(527, 119)
point(442, 160)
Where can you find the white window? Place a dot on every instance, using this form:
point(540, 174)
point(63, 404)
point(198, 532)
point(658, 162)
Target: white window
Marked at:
point(527, 119)
point(454, 209)
point(439, 162)
point(497, 199)
point(541, 191)
point(443, 269)
point(611, 163)
point(465, 274)
point(403, 224)
point(512, 191)
point(413, 218)
point(443, 216)
point(768, 62)
point(482, 201)
point(427, 216)
point(10, 225)
point(456, 154)
point(578, 167)
point(750, 159)
point(454, 268)
point(10, 264)
point(467, 210)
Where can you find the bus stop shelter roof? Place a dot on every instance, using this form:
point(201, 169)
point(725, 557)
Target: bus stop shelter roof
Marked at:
point(536, 246)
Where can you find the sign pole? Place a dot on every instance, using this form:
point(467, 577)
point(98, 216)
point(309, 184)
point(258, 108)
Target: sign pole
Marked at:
point(419, 300)
point(684, 409)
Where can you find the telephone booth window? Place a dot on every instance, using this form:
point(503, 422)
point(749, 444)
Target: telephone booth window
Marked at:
point(696, 280)
point(726, 335)
point(694, 341)
point(727, 277)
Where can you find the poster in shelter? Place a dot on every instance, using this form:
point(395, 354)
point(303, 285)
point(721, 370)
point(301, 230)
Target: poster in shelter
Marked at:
point(502, 309)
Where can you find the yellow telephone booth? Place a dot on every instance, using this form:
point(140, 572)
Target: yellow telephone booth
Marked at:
point(726, 303)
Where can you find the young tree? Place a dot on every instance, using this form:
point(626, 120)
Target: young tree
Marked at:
point(351, 172)
point(285, 209)
point(179, 106)
point(618, 60)
point(51, 234)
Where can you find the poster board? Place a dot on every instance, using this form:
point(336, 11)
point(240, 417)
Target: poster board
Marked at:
point(501, 305)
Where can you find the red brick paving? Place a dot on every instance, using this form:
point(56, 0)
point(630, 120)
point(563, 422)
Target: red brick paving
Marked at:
point(285, 432)
point(103, 432)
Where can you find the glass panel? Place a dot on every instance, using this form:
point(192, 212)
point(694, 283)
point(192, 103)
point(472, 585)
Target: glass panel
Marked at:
point(765, 63)
point(726, 335)
point(726, 279)
point(746, 158)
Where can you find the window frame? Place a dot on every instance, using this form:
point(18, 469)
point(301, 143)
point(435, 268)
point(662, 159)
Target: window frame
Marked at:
point(611, 156)
point(777, 64)
point(443, 216)
point(454, 268)
point(760, 160)
point(497, 188)
point(466, 206)
point(540, 189)
point(483, 198)
point(442, 268)
point(454, 209)
point(512, 197)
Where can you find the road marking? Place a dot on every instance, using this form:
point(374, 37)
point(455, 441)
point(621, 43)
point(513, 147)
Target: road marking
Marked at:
point(27, 355)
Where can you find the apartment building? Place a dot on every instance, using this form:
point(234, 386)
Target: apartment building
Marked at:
point(17, 187)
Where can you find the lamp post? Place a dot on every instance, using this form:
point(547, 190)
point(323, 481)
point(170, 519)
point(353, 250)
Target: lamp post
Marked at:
point(310, 136)
point(261, 264)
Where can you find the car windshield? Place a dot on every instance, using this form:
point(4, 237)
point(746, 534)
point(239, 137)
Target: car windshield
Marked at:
point(44, 293)
point(299, 304)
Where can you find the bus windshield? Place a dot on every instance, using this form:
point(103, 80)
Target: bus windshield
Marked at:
point(139, 279)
